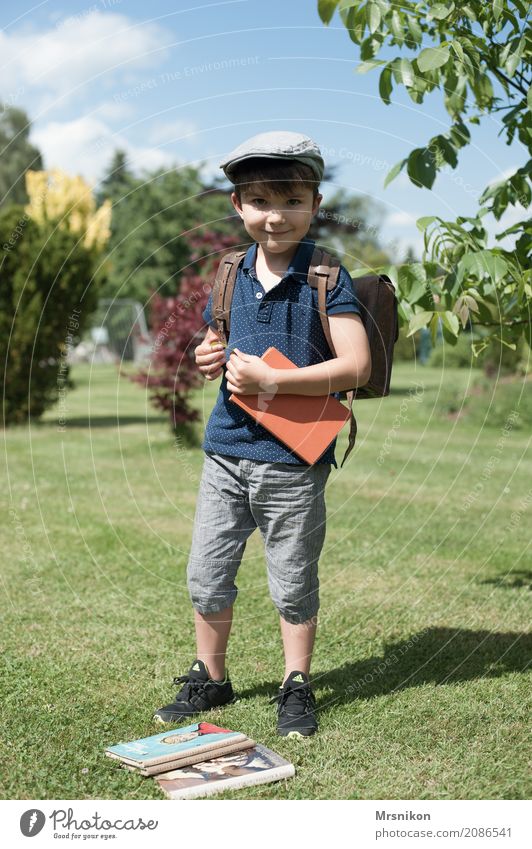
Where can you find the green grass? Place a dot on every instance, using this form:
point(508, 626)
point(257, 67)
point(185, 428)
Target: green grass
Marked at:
point(420, 667)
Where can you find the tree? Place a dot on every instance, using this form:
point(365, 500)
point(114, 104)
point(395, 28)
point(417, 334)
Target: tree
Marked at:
point(49, 276)
point(347, 224)
point(479, 55)
point(18, 155)
point(177, 327)
point(155, 217)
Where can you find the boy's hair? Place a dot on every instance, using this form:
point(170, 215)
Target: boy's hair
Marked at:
point(280, 176)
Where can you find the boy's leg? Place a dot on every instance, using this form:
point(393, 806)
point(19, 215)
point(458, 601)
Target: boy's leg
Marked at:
point(222, 525)
point(288, 503)
point(298, 644)
point(212, 635)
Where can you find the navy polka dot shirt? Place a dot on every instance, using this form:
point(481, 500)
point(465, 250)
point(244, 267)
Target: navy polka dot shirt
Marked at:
point(287, 318)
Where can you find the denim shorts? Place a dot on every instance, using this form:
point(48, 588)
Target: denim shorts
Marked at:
point(287, 503)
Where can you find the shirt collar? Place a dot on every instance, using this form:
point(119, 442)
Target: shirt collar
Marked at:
point(299, 264)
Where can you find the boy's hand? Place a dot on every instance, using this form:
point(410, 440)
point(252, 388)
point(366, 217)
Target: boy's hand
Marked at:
point(210, 358)
point(248, 375)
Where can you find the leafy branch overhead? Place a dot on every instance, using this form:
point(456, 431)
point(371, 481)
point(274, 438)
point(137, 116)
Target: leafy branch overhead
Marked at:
point(478, 55)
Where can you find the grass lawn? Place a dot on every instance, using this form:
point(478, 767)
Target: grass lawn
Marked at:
point(421, 667)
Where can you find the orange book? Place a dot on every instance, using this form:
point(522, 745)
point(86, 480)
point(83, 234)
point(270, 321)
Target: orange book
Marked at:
point(307, 424)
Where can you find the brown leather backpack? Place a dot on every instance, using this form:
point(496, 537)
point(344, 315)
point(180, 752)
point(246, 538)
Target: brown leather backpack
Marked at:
point(378, 305)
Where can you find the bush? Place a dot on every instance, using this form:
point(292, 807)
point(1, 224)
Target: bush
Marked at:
point(47, 293)
point(177, 327)
point(460, 355)
point(491, 404)
point(498, 359)
point(406, 348)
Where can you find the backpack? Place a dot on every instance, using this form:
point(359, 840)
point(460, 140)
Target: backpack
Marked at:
point(378, 304)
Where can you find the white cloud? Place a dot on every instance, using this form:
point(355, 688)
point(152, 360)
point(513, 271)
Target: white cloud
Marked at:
point(86, 145)
point(80, 51)
point(114, 111)
point(179, 130)
point(401, 219)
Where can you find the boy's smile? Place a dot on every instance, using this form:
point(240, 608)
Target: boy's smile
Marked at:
point(277, 222)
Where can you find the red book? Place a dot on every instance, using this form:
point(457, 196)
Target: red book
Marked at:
point(307, 424)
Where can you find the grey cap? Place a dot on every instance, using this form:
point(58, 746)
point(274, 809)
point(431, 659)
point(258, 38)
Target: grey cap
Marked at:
point(277, 145)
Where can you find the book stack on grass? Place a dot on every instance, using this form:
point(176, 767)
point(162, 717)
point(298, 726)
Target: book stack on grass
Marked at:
point(201, 759)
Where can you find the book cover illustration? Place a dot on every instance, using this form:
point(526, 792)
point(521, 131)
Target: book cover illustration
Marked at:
point(172, 744)
point(258, 765)
point(307, 424)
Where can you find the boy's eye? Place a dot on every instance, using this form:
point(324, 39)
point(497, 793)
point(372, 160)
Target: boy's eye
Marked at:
point(262, 201)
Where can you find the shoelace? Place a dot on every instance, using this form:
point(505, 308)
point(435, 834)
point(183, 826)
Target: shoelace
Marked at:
point(192, 687)
point(303, 695)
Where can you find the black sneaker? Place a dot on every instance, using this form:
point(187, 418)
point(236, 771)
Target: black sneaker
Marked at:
point(295, 707)
point(198, 693)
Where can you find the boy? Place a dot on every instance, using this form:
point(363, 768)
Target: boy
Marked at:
point(250, 479)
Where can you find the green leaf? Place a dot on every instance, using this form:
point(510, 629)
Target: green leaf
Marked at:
point(419, 320)
point(450, 321)
point(483, 263)
point(457, 47)
point(529, 98)
point(355, 22)
point(373, 14)
point(513, 60)
point(432, 57)
point(434, 324)
point(407, 72)
point(421, 168)
point(415, 34)
point(364, 67)
point(482, 89)
point(369, 47)
point(498, 6)
point(459, 134)
point(439, 11)
point(393, 172)
point(326, 9)
point(423, 223)
point(396, 27)
point(412, 282)
point(385, 84)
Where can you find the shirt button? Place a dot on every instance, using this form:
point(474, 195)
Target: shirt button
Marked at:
point(258, 295)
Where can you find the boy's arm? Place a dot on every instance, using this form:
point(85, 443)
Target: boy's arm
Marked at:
point(350, 368)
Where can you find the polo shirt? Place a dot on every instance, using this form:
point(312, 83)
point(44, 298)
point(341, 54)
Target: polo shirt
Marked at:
point(287, 318)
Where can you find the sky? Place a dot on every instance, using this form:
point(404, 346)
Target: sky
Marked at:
point(178, 83)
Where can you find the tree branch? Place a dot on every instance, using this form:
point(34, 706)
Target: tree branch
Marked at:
point(511, 82)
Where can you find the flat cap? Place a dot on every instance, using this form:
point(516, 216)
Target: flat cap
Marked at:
point(276, 145)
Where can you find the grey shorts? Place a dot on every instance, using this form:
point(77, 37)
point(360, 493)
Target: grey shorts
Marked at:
point(287, 503)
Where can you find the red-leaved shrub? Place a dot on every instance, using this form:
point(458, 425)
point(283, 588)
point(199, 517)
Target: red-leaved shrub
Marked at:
point(177, 327)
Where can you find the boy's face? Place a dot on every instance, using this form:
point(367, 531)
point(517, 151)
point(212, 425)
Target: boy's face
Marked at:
point(276, 221)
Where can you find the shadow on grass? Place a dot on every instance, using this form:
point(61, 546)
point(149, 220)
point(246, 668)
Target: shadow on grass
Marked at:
point(434, 656)
point(515, 579)
point(114, 421)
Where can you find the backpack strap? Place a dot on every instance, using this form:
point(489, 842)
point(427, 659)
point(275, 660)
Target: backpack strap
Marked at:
point(323, 275)
point(222, 292)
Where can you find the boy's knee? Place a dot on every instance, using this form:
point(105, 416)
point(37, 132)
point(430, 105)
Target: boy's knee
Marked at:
point(296, 607)
point(209, 589)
